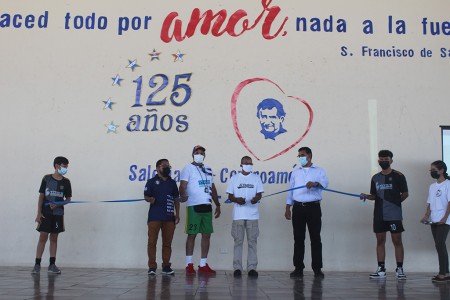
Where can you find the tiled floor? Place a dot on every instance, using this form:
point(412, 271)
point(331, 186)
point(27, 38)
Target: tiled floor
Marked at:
point(93, 284)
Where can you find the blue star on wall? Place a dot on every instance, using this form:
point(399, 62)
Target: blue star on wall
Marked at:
point(108, 104)
point(132, 64)
point(112, 127)
point(178, 56)
point(116, 80)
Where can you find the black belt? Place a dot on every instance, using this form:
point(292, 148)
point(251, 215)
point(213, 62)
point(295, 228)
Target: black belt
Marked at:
point(298, 203)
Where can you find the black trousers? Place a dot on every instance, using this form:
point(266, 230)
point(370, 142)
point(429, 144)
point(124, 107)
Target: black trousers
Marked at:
point(440, 233)
point(307, 216)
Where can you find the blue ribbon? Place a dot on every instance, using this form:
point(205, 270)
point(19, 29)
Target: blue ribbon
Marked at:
point(321, 188)
point(343, 193)
point(295, 188)
point(304, 186)
point(117, 201)
point(107, 201)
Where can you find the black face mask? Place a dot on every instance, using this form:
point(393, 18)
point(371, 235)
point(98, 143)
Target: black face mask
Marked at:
point(165, 171)
point(384, 164)
point(434, 174)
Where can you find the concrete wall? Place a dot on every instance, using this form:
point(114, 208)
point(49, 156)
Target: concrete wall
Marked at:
point(54, 81)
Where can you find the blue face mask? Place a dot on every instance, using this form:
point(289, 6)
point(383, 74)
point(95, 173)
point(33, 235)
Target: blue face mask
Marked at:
point(62, 171)
point(303, 160)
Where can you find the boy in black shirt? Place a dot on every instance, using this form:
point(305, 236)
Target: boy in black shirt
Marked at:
point(389, 189)
point(50, 217)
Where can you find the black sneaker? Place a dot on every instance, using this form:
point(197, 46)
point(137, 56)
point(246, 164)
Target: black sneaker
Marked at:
point(237, 273)
point(252, 273)
point(297, 273)
point(379, 273)
point(168, 271)
point(36, 269)
point(53, 269)
point(438, 279)
point(151, 271)
point(319, 274)
point(400, 274)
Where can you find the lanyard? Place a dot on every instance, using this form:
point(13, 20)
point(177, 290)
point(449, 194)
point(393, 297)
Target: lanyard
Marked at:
point(204, 181)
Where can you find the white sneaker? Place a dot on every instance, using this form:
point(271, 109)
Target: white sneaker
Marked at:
point(379, 273)
point(399, 273)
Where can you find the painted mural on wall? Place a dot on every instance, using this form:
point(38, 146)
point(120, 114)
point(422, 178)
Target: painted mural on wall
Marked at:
point(267, 120)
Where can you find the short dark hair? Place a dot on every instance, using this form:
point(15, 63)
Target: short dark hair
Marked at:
point(159, 162)
point(60, 160)
point(307, 150)
point(246, 157)
point(270, 103)
point(385, 153)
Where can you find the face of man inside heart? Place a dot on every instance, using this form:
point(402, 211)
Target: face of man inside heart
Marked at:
point(272, 105)
point(269, 120)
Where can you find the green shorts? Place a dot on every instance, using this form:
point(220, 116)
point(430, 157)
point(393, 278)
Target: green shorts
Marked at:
point(198, 222)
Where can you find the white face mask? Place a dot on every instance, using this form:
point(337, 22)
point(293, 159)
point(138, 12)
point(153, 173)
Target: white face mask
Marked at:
point(62, 171)
point(303, 160)
point(247, 168)
point(198, 158)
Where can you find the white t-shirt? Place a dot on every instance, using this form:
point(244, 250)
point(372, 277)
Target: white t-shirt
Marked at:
point(438, 198)
point(199, 183)
point(245, 186)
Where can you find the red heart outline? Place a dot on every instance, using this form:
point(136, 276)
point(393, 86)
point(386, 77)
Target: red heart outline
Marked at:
point(234, 100)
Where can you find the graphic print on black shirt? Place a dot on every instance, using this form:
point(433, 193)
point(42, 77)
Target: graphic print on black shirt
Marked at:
point(54, 191)
point(388, 190)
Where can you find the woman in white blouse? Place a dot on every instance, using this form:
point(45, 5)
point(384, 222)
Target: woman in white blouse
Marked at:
point(437, 215)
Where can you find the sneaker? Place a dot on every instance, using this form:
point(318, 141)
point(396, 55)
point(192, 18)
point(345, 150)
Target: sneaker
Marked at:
point(319, 274)
point(151, 271)
point(53, 269)
point(167, 271)
point(399, 273)
point(297, 273)
point(36, 269)
point(206, 269)
point(190, 269)
point(379, 273)
point(237, 273)
point(252, 273)
point(438, 279)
